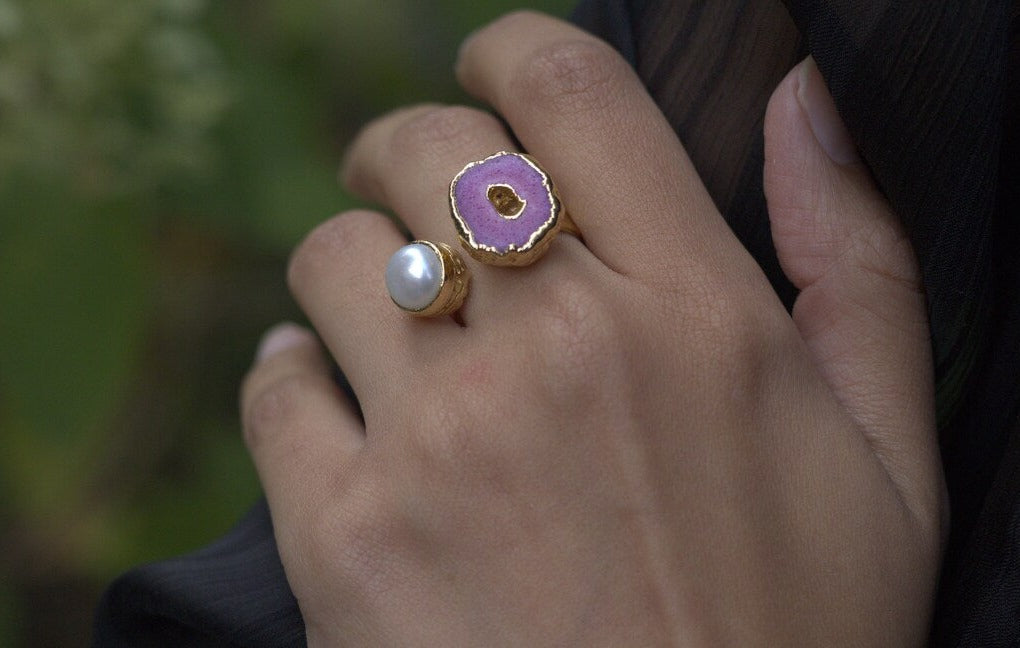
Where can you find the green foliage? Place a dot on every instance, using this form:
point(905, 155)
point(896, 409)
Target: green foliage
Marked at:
point(158, 160)
point(112, 97)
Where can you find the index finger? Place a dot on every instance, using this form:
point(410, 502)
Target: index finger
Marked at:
point(580, 109)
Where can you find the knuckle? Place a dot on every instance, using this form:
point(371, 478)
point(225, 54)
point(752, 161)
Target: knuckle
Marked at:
point(317, 255)
point(357, 534)
point(738, 341)
point(570, 77)
point(275, 406)
point(580, 337)
point(463, 444)
point(727, 328)
point(452, 439)
point(434, 135)
point(369, 148)
point(518, 19)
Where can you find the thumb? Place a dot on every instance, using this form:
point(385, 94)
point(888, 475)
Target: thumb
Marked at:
point(861, 308)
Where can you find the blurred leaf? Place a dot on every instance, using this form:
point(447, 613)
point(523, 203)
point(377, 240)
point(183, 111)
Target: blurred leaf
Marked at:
point(117, 97)
point(168, 519)
point(280, 177)
point(72, 310)
point(9, 611)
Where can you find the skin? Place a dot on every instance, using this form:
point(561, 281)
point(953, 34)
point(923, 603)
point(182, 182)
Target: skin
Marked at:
point(630, 442)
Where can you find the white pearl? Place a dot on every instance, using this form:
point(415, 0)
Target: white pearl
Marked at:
point(414, 276)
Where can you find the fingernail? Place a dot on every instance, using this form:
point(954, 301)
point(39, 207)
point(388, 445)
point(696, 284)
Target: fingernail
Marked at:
point(817, 103)
point(280, 337)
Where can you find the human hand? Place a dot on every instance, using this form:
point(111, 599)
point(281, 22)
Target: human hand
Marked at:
point(629, 442)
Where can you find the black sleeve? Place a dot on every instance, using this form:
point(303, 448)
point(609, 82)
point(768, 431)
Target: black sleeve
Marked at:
point(231, 593)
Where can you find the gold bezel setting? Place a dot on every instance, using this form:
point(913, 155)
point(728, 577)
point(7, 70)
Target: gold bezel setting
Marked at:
point(539, 235)
point(453, 284)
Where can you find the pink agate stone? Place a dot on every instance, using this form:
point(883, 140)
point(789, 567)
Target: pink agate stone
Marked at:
point(505, 209)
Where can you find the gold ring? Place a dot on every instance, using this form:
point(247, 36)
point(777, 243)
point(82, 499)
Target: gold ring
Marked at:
point(427, 279)
point(506, 209)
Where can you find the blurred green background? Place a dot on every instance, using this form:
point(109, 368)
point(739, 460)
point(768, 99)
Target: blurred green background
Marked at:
point(158, 160)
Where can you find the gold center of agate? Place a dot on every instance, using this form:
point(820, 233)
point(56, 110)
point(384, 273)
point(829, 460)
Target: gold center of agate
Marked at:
point(506, 201)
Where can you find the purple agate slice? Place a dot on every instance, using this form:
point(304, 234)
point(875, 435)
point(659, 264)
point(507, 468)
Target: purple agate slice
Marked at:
point(478, 220)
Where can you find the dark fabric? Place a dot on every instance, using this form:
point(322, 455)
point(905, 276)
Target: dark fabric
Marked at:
point(979, 604)
point(231, 593)
point(929, 91)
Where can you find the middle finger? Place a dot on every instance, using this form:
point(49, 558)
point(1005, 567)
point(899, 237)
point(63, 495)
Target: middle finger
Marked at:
point(405, 160)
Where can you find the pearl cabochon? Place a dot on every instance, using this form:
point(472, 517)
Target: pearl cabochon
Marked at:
point(414, 276)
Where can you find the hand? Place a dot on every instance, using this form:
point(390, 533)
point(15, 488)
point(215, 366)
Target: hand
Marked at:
point(629, 442)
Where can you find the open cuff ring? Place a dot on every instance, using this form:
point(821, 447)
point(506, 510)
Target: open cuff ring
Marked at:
point(427, 279)
point(506, 209)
